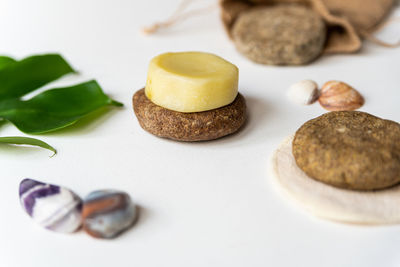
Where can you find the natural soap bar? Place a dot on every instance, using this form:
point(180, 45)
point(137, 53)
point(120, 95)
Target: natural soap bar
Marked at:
point(191, 81)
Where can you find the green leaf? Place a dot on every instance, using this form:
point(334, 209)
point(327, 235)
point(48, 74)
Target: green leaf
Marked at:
point(5, 61)
point(55, 108)
point(19, 140)
point(22, 77)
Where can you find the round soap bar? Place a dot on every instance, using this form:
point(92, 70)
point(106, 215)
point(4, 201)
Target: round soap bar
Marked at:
point(280, 35)
point(196, 126)
point(107, 213)
point(191, 81)
point(349, 149)
point(53, 207)
point(329, 202)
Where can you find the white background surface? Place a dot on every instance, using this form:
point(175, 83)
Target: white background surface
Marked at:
point(203, 204)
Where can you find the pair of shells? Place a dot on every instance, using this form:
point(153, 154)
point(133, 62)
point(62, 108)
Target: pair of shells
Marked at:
point(333, 96)
point(103, 213)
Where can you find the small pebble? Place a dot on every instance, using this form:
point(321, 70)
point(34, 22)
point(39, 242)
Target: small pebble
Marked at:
point(107, 213)
point(303, 92)
point(53, 207)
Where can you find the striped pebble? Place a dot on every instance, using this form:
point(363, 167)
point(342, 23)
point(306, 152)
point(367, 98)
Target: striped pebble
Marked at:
point(107, 213)
point(51, 206)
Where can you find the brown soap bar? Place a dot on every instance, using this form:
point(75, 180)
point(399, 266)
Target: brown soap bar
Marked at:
point(196, 126)
point(349, 149)
point(348, 22)
point(280, 35)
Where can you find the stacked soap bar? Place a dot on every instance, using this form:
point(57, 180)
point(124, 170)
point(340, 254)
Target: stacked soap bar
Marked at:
point(190, 96)
point(191, 81)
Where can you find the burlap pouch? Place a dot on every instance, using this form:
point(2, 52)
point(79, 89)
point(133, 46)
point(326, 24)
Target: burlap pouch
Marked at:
point(348, 21)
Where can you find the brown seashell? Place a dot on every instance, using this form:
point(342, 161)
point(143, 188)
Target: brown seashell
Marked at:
point(337, 96)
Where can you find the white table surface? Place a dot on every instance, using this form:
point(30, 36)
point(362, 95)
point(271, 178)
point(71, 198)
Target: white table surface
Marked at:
point(203, 204)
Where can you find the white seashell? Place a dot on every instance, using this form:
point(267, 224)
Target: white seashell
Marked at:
point(303, 92)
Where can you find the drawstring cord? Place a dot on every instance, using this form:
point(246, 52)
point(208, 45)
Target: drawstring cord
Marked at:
point(177, 16)
point(371, 37)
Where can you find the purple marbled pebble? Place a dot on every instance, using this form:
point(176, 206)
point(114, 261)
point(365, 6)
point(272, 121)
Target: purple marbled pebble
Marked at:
point(27, 184)
point(53, 207)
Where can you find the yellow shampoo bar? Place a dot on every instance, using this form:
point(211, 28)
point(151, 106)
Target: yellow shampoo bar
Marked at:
point(191, 81)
